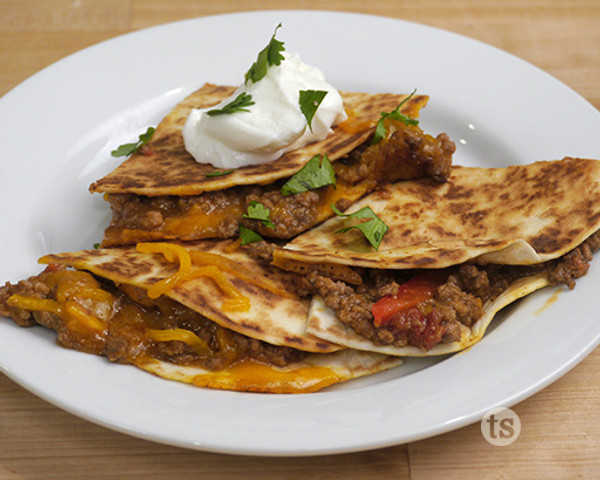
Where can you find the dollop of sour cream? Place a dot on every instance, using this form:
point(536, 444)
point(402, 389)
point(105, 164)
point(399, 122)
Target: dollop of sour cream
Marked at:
point(273, 125)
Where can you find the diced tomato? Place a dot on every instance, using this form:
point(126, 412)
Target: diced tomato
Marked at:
point(420, 330)
point(410, 294)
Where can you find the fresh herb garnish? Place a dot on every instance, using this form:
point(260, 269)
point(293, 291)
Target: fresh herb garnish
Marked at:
point(219, 173)
point(257, 211)
point(268, 56)
point(238, 104)
point(96, 246)
point(309, 102)
point(396, 114)
point(373, 228)
point(318, 172)
point(248, 236)
point(129, 148)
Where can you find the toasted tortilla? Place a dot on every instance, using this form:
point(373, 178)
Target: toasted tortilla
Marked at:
point(164, 167)
point(315, 372)
point(518, 215)
point(81, 310)
point(272, 318)
point(323, 323)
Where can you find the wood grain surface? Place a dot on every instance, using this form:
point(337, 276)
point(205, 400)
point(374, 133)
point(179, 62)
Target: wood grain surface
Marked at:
point(560, 437)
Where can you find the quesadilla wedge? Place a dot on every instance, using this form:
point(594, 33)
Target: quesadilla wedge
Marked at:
point(160, 192)
point(192, 314)
point(453, 256)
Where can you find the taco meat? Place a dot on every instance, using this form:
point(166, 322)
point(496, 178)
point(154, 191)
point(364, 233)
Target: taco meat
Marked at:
point(407, 153)
point(128, 322)
point(423, 308)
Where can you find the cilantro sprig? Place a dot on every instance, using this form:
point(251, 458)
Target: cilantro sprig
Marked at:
point(130, 148)
point(372, 227)
point(219, 173)
point(257, 211)
point(309, 102)
point(396, 114)
point(238, 104)
point(268, 56)
point(248, 236)
point(318, 172)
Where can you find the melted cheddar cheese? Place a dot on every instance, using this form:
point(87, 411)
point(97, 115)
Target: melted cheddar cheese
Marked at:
point(79, 301)
point(252, 376)
point(92, 316)
point(189, 270)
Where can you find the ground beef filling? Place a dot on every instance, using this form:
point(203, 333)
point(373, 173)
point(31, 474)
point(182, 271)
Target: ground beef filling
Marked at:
point(407, 153)
point(457, 301)
point(128, 319)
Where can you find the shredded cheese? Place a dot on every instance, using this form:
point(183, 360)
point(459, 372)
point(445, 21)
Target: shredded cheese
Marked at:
point(233, 246)
point(182, 335)
point(239, 271)
point(195, 264)
point(33, 304)
point(187, 271)
point(171, 252)
point(237, 301)
point(69, 286)
point(77, 318)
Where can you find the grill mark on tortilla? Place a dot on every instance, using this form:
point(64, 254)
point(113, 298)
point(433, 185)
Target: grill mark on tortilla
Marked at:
point(550, 207)
point(171, 170)
point(272, 318)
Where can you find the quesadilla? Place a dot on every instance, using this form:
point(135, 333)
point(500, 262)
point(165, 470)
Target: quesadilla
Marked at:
point(160, 192)
point(453, 256)
point(196, 313)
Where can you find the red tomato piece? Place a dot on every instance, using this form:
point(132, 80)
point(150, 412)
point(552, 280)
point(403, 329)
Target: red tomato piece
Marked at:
point(410, 294)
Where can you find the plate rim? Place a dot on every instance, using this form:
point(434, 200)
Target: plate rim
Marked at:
point(27, 383)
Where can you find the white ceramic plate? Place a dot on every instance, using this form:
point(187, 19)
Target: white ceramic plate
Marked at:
point(59, 126)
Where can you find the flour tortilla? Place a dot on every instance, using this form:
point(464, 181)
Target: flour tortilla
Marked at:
point(518, 215)
point(171, 170)
point(316, 371)
point(323, 323)
point(272, 318)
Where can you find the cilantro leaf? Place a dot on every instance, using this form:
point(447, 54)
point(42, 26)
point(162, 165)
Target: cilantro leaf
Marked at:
point(257, 211)
point(380, 132)
point(219, 173)
point(318, 172)
point(129, 148)
point(309, 102)
point(268, 56)
point(373, 228)
point(238, 104)
point(248, 236)
point(396, 114)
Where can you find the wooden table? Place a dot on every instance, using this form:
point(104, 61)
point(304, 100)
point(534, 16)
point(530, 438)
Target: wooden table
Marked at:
point(560, 438)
